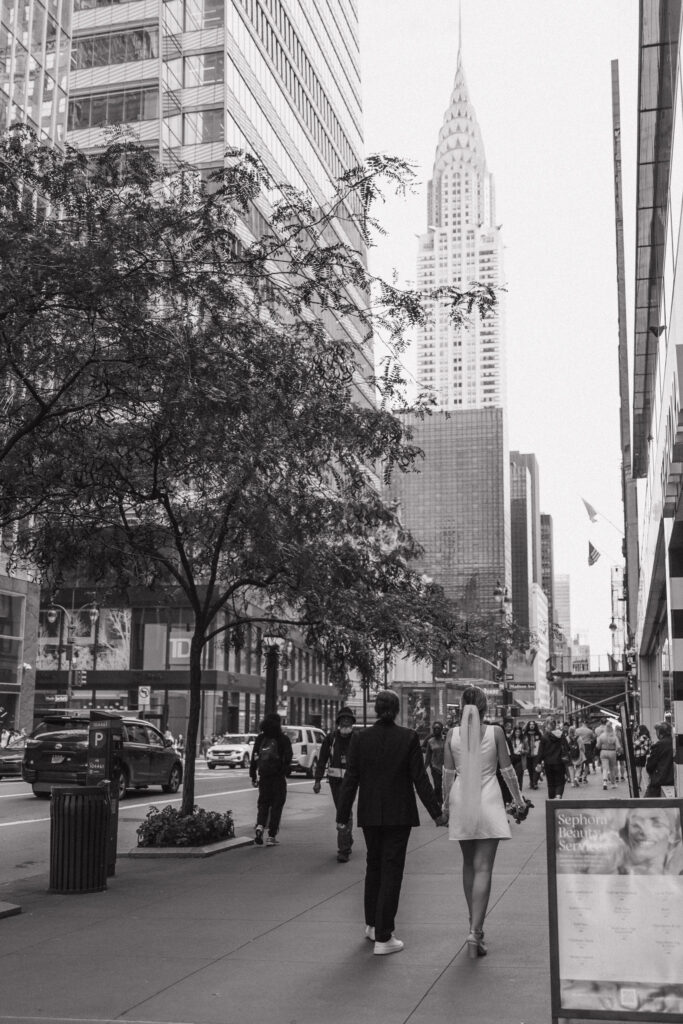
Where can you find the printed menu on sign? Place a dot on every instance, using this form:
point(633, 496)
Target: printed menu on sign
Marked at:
point(618, 886)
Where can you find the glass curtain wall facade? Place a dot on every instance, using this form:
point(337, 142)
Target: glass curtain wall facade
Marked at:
point(464, 366)
point(35, 47)
point(457, 504)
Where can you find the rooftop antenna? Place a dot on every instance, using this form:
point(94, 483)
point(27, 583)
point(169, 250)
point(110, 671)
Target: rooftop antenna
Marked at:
point(459, 32)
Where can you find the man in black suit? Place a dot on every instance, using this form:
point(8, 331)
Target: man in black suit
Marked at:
point(385, 765)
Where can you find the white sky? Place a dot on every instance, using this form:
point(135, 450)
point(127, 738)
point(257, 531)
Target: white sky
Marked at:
point(539, 77)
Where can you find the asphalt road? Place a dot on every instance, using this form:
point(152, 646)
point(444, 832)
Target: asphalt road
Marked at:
point(25, 820)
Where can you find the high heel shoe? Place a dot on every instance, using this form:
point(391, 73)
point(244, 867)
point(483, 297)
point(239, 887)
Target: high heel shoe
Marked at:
point(475, 945)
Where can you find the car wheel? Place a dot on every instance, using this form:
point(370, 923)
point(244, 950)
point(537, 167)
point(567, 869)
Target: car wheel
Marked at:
point(41, 795)
point(122, 785)
point(245, 761)
point(211, 767)
point(310, 772)
point(174, 780)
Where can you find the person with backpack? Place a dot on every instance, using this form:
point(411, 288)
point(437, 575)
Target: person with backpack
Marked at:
point(269, 767)
point(333, 754)
point(576, 757)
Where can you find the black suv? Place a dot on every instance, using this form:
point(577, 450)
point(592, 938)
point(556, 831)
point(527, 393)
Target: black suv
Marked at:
point(56, 755)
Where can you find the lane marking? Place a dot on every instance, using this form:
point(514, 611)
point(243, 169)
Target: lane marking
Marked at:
point(126, 805)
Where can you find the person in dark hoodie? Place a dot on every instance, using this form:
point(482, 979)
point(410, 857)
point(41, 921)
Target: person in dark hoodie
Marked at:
point(270, 765)
point(333, 754)
point(553, 754)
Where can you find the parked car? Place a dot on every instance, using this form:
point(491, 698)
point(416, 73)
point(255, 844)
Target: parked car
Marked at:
point(11, 757)
point(233, 751)
point(56, 755)
point(306, 743)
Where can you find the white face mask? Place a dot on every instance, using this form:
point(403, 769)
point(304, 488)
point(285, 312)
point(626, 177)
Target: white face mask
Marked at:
point(345, 730)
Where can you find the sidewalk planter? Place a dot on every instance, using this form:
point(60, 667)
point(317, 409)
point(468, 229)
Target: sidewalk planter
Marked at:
point(79, 825)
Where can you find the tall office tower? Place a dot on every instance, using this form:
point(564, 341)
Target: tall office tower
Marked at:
point(192, 77)
point(457, 503)
point(35, 49)
point(529, 460)
point(464, 365)
point(562, 606)
point(548, 572)
point(521, 533)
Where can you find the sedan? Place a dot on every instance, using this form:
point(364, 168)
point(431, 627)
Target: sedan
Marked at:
point(11, 757)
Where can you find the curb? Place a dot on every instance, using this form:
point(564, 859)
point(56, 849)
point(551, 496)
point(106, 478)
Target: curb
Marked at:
point(189, 851)
point(9, 909)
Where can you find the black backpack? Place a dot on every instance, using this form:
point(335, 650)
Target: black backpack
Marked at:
point(269, 758)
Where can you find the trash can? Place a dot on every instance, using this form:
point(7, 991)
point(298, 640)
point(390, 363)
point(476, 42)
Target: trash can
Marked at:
point(79, 825)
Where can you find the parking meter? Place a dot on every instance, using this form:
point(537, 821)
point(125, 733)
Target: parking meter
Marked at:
point(105, 740)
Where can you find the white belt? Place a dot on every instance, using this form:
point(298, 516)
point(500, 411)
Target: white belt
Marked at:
point(335, 773)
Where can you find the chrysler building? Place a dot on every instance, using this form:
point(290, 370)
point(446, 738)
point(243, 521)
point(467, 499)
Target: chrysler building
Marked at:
point(463, 365)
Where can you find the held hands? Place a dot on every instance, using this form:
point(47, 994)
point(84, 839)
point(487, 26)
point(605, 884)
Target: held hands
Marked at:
point(442, 819)
point(254, 783)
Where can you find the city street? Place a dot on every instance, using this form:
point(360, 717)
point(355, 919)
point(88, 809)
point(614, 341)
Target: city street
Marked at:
point(25, 820)
point(258, 933)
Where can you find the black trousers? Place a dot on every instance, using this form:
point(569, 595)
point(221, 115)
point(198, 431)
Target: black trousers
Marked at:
point(386, 859)
point(555, 776)
point(272, 793)
point(345, 838)
point(437, 782)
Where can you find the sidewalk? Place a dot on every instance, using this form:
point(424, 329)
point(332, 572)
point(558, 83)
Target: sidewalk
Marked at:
point(259, 934)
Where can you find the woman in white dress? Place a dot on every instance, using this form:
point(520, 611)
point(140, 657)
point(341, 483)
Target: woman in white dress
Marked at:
point(476, 812)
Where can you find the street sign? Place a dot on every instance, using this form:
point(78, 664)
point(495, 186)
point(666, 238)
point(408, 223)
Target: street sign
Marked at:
point(509, 676)
point(144, 696)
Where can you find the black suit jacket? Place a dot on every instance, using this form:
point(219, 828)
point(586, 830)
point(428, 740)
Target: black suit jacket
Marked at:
point(386, 767)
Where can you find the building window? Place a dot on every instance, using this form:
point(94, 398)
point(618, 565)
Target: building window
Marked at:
point(203, 126)
point(204, 69)
point(114, 48)
point(200, 14)
point(113, 108)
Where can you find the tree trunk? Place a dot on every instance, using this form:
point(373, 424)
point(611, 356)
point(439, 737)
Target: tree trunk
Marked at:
point(196, 648)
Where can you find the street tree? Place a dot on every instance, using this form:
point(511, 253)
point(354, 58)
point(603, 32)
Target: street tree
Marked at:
point(229, 445)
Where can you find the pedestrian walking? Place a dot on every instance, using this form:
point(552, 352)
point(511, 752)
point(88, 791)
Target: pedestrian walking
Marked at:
point(642, 745)
point(586, 738)
point(533, 739)
point(434, 758)
point(660, 763)
point(519, 749)
point(386, 768)
point(333, 759)
point(553, 754)
point(606, 745)
point(476, 813)
point(576, 756)
point(269, 767)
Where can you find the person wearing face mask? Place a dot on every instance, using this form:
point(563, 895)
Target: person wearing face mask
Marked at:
point(333, 753)
point(434, 758)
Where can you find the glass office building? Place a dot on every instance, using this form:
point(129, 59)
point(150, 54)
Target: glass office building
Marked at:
point(457, 503)
point(35, 47)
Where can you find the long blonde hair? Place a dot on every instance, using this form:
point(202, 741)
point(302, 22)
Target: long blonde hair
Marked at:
point(473, 701)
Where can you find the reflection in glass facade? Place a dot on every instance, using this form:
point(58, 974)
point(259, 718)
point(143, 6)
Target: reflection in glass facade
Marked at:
point(35, 50)
point(457, 503)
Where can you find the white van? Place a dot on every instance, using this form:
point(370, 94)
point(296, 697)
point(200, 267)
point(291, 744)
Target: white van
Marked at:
point(306, 743)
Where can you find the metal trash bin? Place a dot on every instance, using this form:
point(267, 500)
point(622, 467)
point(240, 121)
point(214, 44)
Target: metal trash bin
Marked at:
point(79, 826)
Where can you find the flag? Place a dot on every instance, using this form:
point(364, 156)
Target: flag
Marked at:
point(592, 514)
point(593, 554)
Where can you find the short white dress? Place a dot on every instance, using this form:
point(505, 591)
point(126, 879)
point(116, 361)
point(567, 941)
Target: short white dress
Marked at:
point(493, 821)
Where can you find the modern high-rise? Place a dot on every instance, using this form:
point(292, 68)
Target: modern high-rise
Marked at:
point(35, 50)
point(462, 364)
point(548, 571)
point(563, 617)
point(457, 503)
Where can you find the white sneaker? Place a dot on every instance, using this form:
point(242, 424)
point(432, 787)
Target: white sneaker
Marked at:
point(370, 932)
point(391, 946)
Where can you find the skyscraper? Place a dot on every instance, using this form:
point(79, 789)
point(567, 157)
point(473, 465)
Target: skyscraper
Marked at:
point(457, 503)
point(35, 48)
point(548, 572)
point(562, 606)
point(464, 364)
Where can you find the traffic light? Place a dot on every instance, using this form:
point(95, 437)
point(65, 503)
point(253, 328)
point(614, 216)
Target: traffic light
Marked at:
point(81, 677)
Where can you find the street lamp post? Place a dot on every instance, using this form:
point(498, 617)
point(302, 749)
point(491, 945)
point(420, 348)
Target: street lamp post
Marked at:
point(273, 646)
point(70, 618)
point(502, 598)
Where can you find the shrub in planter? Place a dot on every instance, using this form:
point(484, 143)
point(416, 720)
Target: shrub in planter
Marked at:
point(171, 828)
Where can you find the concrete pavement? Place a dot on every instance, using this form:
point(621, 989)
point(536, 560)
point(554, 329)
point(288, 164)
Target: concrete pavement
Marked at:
point(258, 934)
